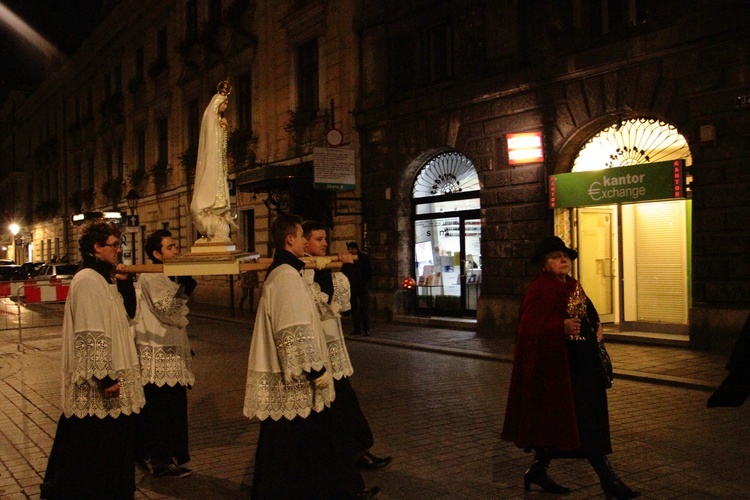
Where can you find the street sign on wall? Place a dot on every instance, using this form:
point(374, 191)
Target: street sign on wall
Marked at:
point(646, 182)
point(334, 169)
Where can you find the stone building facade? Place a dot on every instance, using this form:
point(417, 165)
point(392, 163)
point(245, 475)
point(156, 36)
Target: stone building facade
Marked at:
point(122, 117)
point(569, 70)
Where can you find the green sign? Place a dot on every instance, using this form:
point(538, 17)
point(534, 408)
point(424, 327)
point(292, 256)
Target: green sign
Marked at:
point(663, 180)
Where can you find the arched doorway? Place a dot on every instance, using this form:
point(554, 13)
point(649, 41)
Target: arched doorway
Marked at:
point(447, 235)
point(634, 257)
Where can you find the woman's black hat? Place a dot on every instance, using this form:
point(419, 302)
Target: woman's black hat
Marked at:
point(549, 245)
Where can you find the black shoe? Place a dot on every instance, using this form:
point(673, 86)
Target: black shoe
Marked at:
point(354, 334)
point(369, 493)
point(619, 490)
point(171, 471)
point(611, 483)
point(366, 333)
point(537, 474)
point(372, 462)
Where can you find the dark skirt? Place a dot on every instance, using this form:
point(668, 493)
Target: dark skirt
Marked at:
point(301, 459)
point(354, 430)
point(589, 399)
point(162, 426)
point(91, 458)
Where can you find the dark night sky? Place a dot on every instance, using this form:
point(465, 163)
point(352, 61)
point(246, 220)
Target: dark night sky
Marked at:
point(64, 23)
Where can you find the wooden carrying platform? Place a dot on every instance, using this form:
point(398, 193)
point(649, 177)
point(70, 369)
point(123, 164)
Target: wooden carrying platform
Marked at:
point(210, 264)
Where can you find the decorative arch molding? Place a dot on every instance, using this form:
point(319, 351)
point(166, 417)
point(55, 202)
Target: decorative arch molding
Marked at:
point(406, 182)
point(595, 103)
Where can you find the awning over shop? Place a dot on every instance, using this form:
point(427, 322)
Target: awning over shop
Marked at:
point(269, 176)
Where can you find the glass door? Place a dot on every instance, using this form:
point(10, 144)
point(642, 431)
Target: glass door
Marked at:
point(447, 264)
point(472, 262)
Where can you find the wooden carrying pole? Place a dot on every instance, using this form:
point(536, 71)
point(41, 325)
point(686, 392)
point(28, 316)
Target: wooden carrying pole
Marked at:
point(329, 262)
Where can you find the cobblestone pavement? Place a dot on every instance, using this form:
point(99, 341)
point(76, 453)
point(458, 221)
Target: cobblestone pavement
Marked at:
point(438, 414)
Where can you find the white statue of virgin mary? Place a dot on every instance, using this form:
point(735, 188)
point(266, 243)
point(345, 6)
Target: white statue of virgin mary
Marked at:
point(210, 206)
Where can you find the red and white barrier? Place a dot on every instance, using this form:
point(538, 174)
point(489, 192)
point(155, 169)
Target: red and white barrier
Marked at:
point(54, 290)
point(10, 288)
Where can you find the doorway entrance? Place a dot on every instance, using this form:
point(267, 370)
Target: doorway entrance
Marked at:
point(447, 236)
point(634, 258)
point(597, 258)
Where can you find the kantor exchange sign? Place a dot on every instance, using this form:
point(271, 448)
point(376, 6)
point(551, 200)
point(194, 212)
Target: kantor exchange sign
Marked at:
point(647, 182)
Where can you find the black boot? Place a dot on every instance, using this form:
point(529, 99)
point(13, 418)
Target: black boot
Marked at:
point(537, 474)
point(611, 484)
point(372, 462)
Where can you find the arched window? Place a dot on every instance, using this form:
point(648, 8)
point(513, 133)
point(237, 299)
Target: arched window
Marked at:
point(632, 142)
point(446, 173)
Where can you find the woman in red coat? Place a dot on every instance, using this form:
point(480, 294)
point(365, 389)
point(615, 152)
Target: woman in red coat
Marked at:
point(557, 402)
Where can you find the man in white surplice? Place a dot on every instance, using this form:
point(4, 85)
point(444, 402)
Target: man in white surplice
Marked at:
point(92, 455)
point(289, 384)
point(166, 363)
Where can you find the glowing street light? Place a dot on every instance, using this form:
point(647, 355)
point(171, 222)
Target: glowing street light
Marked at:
point(14, 229)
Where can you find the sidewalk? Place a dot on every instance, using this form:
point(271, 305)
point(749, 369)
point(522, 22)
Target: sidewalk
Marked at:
point(665, 365)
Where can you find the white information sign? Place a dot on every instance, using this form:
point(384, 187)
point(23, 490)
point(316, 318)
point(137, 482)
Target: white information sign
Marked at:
point(334, 169)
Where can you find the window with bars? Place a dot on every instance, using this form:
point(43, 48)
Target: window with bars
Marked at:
point(140, 149)
point(108, 161)
point(421, 59)
point(307, 77)
point(193, 123)
point(162, 140)
point(161, 47)
point(119, 159)
point(191, 19)
point(214, 12)
point(244, 103)
point(139, 64)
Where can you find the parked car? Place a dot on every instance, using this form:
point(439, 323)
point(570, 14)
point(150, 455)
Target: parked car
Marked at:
point(27, 271)
point(7, 262)
point(7, 272)
point(59, 271)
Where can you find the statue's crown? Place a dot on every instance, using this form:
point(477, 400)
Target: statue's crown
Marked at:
point(224, 88)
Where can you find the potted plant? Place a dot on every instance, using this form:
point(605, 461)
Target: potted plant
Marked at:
point(188, 160)
point(238, 145)
point(137, 177)
point(160, 172)
point(112, 189)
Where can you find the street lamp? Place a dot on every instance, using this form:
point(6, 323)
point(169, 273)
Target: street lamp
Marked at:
point(132, 198)
point(14, 229)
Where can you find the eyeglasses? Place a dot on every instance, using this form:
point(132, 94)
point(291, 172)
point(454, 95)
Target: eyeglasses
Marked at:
point(115, 245)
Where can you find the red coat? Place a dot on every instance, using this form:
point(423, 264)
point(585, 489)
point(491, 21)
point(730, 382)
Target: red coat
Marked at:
point(540, 411)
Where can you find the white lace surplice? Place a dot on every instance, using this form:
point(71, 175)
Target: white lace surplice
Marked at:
point(287, 342)
point(160, 333)
point(97, 343)
point(330, 317)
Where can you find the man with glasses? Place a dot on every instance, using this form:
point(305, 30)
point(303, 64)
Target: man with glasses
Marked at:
point(93, 452)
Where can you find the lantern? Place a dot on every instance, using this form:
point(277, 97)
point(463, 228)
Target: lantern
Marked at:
point(408, 283)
